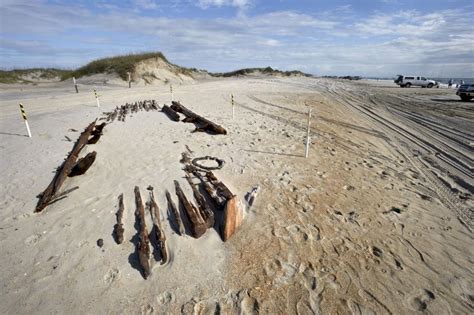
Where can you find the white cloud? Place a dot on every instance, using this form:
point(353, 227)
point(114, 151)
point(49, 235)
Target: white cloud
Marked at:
point(435, 44)
point(145, 4)
point(242, 4)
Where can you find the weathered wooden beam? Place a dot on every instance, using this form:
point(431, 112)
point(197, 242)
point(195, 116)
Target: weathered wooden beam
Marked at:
point(118, 228)
point(204, 209)
point(233, 217)
point(170, 113)
point(221, 188)
point(198, 225)
point(83, 164)
point(64, 170)
point(143, 241)
point(202, 124)
point(208, 187)
point(159, 233)
point(175, 211)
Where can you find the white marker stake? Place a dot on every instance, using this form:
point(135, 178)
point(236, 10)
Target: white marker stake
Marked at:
point(97, 98)
point(75, 84)
point(129, 80)
point(26, 120)
point(171, 90)
point(232, 99)
point(307, 135)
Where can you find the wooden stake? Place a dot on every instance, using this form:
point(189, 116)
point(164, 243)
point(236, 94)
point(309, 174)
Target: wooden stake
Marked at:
point(118, 228)
point(129, 80)
point(307, 135)
point(171, 90)
point(159, 233)
point(143, 241)
point(176, 214)
point(198, 224)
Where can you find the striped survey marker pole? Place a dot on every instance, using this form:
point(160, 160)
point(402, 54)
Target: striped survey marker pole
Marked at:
point(171, 90)
point(232, 101)
point(96, 97)
point(22, 109)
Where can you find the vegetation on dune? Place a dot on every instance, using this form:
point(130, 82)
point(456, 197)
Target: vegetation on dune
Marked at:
point(18, 75)
point(267, 70)
point(120, 65)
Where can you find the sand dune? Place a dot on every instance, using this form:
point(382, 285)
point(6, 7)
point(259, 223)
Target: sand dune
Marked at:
point(378, 219)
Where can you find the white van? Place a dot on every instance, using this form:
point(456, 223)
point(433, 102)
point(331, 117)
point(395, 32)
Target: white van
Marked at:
point(408, 81)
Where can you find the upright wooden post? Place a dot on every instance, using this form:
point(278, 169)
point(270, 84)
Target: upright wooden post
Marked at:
point(171, 90)
point(75, 84)
point(307, 135)
point(129, 80)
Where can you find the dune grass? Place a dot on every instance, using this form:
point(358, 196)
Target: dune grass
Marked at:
point(17, 75)
point(119, 64)
point(267, 70)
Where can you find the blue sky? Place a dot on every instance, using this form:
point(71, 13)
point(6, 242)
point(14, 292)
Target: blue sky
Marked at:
point(370, 38)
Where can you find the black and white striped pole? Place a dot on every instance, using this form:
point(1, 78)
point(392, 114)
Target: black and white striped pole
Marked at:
point(232, 101)
point(22, 109)
point(307, 135)
point(75, 84)
point(96, 98)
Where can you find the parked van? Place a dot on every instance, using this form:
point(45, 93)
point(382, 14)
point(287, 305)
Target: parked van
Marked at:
point(408, 81)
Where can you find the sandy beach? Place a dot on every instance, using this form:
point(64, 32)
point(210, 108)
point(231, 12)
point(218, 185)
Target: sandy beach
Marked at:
point(378, 219)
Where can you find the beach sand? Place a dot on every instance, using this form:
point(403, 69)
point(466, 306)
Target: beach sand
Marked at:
point(378, 218)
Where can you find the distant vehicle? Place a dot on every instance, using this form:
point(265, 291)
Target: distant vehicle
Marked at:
point(466, 92)
point(408, 81)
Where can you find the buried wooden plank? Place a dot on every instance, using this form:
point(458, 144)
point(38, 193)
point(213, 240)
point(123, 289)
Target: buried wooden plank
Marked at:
point(202, 124)
point(175, 211)
point(64, 170)
point(170, 113)
point(159, 233)
point(219, 200)
point(143, 241)
point(204, 208)
point(83, 164)
point(198, 224)
point(118, 227)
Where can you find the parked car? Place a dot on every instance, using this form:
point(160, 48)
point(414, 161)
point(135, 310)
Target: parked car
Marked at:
point(408, 81)
point(466, 92)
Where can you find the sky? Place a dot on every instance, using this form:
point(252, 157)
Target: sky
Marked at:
point(379, 38)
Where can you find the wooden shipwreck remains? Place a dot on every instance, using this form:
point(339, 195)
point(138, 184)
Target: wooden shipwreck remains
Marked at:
point(170, 113)
point(201, 123)
point(63, 171)
point(223, 198)
point(83, 164)
point(159, 232)
point(143, 241)
point(172, 207)
point(204, 208)
point(198, 224)
point(118, 228)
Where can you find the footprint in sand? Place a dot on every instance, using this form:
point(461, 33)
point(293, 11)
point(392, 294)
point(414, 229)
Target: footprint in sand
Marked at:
point(33, 239)
point(421, 301)
point(297, 233)
point(165, 298)
point(111, 276)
